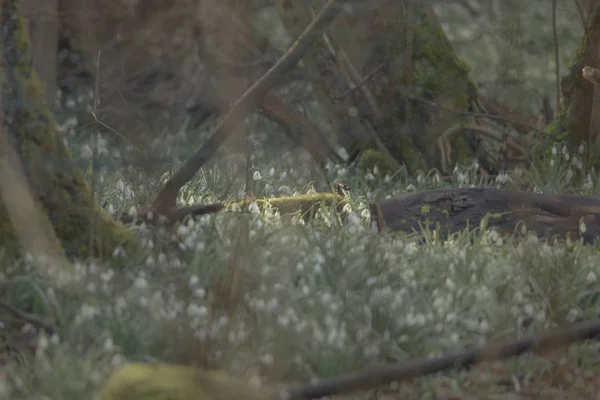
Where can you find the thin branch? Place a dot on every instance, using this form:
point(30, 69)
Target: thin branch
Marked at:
point(165, 199)
point(469, 8)
point(556, 55)
point(581, 15)
point(94, 162)
point(387, 374)
point(469, 113)
point(30, 318)
point(364, 80)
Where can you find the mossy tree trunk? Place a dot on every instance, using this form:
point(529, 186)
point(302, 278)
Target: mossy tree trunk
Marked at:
point(41, 17)
point(579, 120)
point(409, 85)
point(57, 186)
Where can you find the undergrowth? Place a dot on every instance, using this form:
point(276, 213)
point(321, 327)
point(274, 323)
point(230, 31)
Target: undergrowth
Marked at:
point(279, 299)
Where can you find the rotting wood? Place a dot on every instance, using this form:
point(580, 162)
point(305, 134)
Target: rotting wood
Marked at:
point(511, 212)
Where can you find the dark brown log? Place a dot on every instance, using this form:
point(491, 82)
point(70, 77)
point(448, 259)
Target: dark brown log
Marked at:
point(510, 212)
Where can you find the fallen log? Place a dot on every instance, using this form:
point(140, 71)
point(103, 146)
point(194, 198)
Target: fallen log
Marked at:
point(510, 212)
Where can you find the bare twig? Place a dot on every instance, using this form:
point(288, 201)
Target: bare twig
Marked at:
point(386, 374)
point(29, 318)
point(467, 113)
point(580, 10)
point(364, 80)
point(445, 148)
point(469, 8)
point(94, 161)
point(165, 199)
point(175, 215)
point(556, 55)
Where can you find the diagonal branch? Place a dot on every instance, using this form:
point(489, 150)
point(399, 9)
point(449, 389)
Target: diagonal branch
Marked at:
point(165, 200)
point(387, 374)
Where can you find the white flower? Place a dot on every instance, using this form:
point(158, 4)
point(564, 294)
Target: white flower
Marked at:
point(256, 176)
point(194, 310)
point(253, 208)
point(140, 283)
point(591, 277)
point(582, 226)
point(108, 344)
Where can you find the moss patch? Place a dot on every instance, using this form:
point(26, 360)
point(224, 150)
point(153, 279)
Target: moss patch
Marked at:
point(307, 205)
point(139, 381)
point(373, 158)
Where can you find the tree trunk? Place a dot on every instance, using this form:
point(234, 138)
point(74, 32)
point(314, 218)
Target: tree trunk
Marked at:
point(390, 81)
point(58, 187)
point(42, 18)
point(579, 120)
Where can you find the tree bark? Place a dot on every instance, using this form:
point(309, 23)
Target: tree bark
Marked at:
point(579, 120)
point(391, 82)
point(42, 20)
point(58, 187)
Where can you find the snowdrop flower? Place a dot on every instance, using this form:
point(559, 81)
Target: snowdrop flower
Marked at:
point(591, 277)
point(253, 208)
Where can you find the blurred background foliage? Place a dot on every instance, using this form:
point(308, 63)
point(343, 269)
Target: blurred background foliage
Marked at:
point(162, 86)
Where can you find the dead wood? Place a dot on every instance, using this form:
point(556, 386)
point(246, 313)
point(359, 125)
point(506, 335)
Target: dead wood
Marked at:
point(509, 211)
point(165, 200)
point(387, 374)
point(175, 215)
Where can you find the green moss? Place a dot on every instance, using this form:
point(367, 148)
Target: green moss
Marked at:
point(412, 157)
point(425, 209)
point(59, 186)
point(371, 158)
point(307, 205)
point(439, 74)
point(461, 152)
point(437, 67)
point(139, 381)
